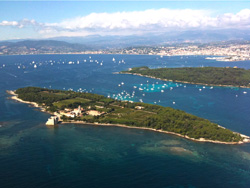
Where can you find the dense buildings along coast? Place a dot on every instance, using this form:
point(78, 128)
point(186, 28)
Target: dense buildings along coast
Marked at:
point(223, 51)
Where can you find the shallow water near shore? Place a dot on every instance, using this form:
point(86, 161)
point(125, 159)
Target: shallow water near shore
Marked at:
point(75, 155)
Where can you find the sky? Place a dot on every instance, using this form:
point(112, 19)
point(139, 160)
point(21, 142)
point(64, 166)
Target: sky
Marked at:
point(47, 19)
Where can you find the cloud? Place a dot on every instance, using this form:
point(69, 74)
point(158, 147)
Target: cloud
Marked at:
point(163, 18)
point(7, 23)
point(125, 23)
point(229, 20)
point(154, 19)
point(21, 24)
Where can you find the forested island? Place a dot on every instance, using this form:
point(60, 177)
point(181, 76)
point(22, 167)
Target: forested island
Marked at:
point(72, 106)
point(220, 76)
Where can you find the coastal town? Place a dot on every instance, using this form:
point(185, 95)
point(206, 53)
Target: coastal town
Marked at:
point(229, 52)
point(220, 51)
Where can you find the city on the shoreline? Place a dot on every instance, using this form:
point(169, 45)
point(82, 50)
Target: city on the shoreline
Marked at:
point(223, 52)
point(220, 51)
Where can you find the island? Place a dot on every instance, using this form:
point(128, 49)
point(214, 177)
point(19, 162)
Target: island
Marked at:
point(88, 108)
point(213, 76)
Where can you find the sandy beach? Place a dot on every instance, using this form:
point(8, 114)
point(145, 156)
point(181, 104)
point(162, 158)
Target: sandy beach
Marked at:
point(15, 97)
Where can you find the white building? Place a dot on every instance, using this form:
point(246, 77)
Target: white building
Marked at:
point(53, 120)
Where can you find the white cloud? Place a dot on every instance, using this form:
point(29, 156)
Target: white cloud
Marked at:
point(163, 18)
point(7, 23)
point(153, 20)
point(20, 24)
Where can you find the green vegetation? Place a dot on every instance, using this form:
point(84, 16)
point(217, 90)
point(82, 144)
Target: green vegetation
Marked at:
point(66, 103)
point(118, 112)
point(203, 75)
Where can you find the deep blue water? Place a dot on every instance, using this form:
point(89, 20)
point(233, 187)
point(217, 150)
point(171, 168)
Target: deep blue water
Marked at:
point(33, 155)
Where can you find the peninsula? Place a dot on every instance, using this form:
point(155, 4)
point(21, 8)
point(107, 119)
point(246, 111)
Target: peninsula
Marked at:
point(77, 107)
point(214, 76)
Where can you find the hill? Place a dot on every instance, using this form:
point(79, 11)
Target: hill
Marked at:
point(40, 47)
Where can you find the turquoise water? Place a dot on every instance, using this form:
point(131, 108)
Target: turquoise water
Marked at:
point(74, 155)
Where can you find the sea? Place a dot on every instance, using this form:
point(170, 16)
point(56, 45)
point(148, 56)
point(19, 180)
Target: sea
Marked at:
point(33, 155)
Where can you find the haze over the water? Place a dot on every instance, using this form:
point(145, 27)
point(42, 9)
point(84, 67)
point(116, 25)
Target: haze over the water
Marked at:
point(40, 20)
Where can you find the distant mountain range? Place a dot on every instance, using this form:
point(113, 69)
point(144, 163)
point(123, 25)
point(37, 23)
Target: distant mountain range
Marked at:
point(204, 36)
point(97, 42)
point(40, 47)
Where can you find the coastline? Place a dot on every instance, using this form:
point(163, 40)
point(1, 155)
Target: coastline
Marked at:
point(110, 53)
point(161, 131)
point(246, 139)
point(184, 82)
point(34, 104)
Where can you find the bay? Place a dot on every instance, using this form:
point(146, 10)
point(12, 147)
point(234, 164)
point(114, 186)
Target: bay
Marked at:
point(33, 155)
